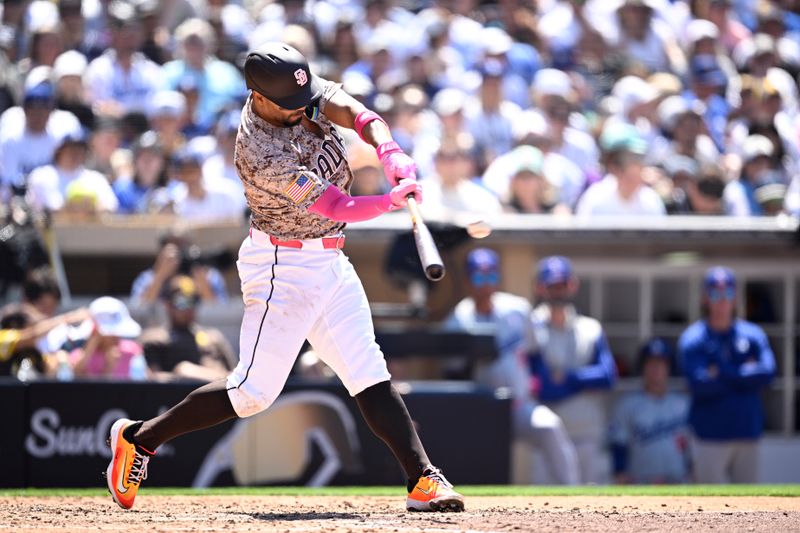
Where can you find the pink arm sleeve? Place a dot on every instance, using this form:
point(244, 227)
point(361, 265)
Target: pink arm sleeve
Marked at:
point(336, 205)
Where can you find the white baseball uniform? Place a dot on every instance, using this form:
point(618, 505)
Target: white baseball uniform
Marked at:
point(296, 282)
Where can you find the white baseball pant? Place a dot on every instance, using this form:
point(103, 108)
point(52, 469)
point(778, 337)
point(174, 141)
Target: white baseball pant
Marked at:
point(538, 425)
point(291, 295)
point(732, 461)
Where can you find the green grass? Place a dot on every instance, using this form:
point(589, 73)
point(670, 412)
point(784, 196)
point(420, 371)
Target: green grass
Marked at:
point(474, 490)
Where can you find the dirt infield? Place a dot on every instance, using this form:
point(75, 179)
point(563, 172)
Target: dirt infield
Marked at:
point(367, 514)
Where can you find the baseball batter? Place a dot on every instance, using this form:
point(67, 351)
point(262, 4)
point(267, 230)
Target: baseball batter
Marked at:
point(296, 282)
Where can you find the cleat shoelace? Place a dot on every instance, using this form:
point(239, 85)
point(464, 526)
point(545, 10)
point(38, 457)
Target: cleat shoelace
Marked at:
point(436, 475)
point(138, 471)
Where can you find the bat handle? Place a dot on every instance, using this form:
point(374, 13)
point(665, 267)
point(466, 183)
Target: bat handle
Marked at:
point(413, 208)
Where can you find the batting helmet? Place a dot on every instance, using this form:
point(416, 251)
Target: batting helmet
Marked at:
point(281, 74)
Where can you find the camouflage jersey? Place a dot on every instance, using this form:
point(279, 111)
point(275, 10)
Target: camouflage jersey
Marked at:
point(285, 170)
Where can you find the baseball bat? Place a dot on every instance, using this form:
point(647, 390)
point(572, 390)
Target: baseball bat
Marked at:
point(426, 248)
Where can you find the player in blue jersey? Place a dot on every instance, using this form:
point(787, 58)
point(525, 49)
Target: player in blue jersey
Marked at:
point(727, 362)
point(649, 432)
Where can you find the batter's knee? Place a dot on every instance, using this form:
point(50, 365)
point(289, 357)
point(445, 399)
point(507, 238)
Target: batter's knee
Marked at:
point(246, 403)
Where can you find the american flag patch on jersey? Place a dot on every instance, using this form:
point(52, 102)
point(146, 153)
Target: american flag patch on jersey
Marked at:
point(300, 188)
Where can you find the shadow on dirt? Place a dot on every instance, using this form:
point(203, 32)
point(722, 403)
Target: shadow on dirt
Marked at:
point(296, 517)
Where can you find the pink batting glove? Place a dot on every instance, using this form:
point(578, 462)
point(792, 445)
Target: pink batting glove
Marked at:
point(400, 191)
point(396, 164)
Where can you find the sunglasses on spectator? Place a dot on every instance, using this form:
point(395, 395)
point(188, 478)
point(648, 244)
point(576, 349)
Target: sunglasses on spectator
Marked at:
point(718, 294)
point(482, 279)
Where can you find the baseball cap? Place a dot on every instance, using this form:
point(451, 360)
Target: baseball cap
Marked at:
point(681, 164)
point(41, 91)
point(552, 81)
point(529, 123)
point(756, 146)
point(167, 103)
point(482, 260)
point(182, 293)
point(148, 140)
point(122, 14)
point(700, 29)
point(673, 107)
point(112, 318)
point(763, 43)
point(632, 91)
point(70, 63)
point(483, 267)
point(656, 347)
point(620, 136)
point(719, 277)
point(495, 41)
point(449, 101)
point(281, 74)
point(771, 194)
point(528, 159)
point(554, 269)
point(77, 137)
point(38, 84)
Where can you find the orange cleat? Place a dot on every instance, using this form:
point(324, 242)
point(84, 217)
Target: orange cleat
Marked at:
point(128, 466)
point(434, 493)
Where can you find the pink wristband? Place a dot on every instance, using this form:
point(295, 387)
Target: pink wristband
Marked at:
point(387, 148)
point(364, 118)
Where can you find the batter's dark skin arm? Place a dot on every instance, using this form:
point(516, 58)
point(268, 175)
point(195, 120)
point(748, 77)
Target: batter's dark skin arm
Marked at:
point(342, 109)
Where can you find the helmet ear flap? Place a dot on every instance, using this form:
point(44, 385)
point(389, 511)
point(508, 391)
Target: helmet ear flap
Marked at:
point(312, 110)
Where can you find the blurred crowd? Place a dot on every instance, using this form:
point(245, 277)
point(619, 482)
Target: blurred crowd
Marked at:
point(622, 107)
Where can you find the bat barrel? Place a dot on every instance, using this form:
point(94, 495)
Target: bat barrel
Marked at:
point(426, 247)
point(434, 272)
